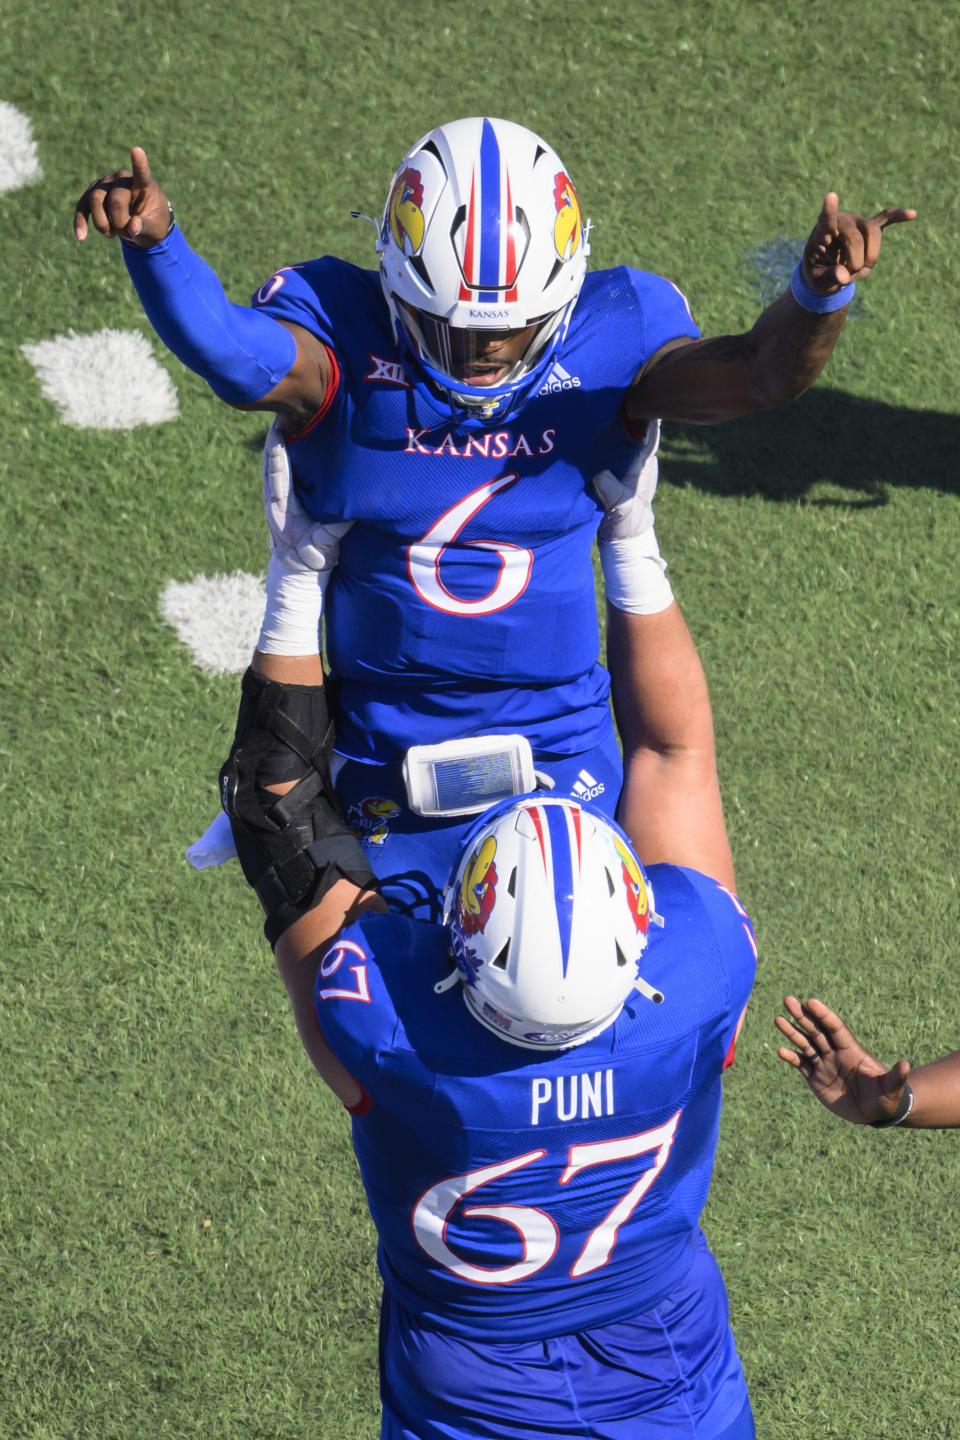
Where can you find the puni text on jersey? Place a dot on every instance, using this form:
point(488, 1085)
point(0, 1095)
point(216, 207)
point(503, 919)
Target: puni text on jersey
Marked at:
point(500, 445)
point(571, 1097)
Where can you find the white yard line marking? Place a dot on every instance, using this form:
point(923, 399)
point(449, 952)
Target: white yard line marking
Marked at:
point(105, 381)
point(19, 162)
point(217, 617)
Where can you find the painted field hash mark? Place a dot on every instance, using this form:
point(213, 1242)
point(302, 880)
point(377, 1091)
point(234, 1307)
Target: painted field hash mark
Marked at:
point(105, 381)
point(217, 617)
point(19, 162)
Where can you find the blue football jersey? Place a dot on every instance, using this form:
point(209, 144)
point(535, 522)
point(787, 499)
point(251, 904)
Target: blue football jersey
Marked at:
point(523, 1194)
point(467, 575)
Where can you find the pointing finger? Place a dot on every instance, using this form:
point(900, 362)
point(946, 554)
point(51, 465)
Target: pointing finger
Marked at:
point(142, 174)
point(894, 216)
point(829, 212)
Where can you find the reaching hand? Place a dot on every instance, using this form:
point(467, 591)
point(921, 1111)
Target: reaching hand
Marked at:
point(843, 247)
point(126, 203)
point(844, 1077)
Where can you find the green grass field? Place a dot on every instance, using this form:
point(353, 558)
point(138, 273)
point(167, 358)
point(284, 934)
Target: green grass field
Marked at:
point(184, 1246)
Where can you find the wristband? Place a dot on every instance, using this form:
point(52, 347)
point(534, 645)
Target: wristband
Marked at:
point(811, 300)
point(291, 622)
point(900, 1114)
point(634, 574)
point(241, 353)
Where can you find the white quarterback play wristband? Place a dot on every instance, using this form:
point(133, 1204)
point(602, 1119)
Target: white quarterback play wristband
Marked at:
point(634, 574)
point(291, 623)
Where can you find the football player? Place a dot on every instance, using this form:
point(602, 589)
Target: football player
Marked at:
point(856, 1086)
point(440, 421)
point(535, 1086)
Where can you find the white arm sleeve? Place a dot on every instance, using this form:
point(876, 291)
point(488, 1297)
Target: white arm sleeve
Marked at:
point(291, 623)
point(633, 570)
point(634, 574)
point(303, 554)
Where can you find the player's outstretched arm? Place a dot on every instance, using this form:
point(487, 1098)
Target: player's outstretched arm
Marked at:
point(670, 804)
point(854, 1085)
point(707, 381)
point(250, 360)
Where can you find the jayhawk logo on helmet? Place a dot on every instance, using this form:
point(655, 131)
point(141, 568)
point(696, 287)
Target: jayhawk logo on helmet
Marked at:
point(568, 226)
point(478, 889)
point(405, 211)
point(636, 888)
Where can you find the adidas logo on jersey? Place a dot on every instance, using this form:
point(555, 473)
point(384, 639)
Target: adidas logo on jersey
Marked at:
point(585, 787)
point(559, 379)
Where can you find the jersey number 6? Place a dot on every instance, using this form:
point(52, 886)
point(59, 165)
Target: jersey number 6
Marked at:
point(423, 558)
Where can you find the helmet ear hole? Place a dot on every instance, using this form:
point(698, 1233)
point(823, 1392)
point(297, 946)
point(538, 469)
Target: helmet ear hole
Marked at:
point(557, 267)
point(418, 263)
point(499, 961)
point(621, 958)
point(611, 883)
point(512, 884)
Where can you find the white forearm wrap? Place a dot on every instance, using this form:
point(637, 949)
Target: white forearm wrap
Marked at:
point(634, 574)
point(291, 624)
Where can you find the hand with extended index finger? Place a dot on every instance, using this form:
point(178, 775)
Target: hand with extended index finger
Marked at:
point(128, 203)
point(843, 247)
point(844, 1076)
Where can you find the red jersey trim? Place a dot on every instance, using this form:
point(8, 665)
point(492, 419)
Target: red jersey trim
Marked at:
point(362, 1105)
point(333, 386)
point(634, 434)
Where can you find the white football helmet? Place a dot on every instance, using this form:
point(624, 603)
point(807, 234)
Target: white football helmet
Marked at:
point(549, 910)
point(482, 237)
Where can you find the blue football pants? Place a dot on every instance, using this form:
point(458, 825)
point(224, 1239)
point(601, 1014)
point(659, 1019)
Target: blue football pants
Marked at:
point(672, 1373)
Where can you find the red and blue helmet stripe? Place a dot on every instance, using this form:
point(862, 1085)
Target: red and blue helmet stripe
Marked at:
point(558, 831)
point(489, 259)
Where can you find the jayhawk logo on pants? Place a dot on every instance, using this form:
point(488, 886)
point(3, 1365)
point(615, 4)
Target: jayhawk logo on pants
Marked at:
point(371, 817)
point(478, 889)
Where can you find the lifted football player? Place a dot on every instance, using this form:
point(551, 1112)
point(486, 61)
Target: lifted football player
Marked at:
point(452, 429)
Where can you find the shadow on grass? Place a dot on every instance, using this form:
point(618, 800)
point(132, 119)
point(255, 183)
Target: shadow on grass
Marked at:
point(827, 448)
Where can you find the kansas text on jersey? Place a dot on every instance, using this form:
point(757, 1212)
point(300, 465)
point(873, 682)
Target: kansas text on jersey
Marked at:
point(467, 575)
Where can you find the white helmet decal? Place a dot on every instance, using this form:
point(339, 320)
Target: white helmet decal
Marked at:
point(549, 911)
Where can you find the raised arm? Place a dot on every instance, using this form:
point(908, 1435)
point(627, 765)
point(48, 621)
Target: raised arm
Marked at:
point(670, 804)
point(707, 381)
point(854, 1085)
point(250, 360)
